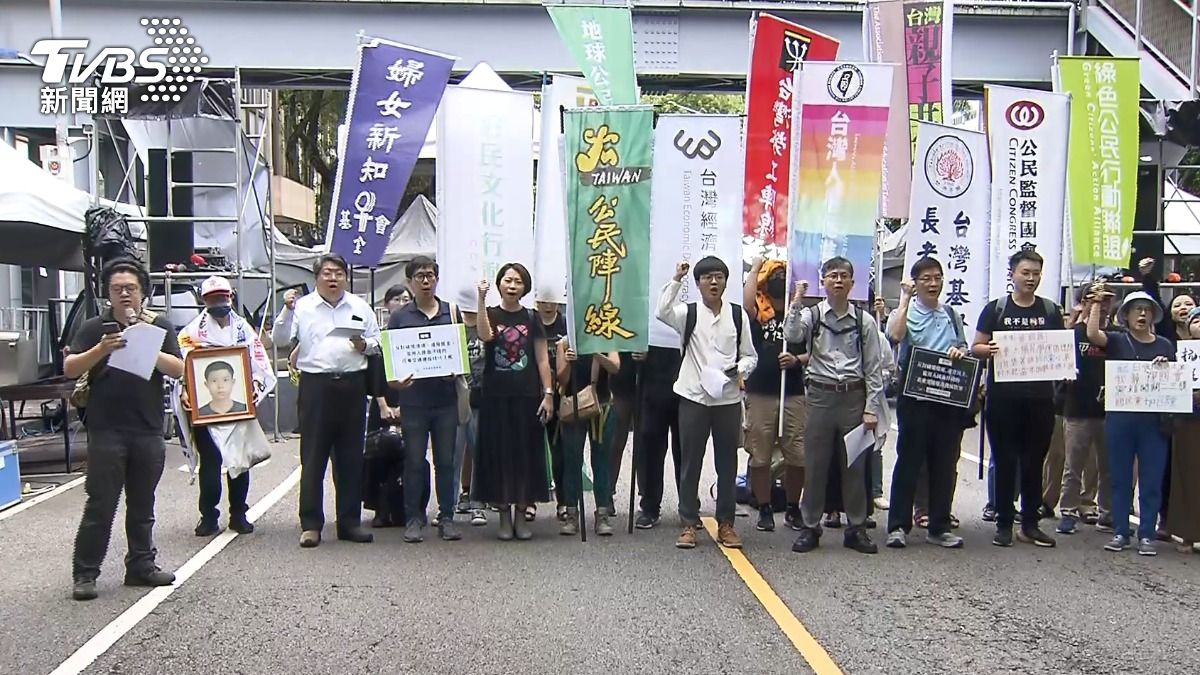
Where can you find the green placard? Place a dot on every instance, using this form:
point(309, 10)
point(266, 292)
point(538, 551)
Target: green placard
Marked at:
point(608, 153)
point(601, 41)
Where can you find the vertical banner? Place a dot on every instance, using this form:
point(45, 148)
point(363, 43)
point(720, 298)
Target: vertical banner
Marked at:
point(777, 48)
point(393, 98)
point(549, 226)
point(883, 36)
point(696, 204)
point(838, 159)
point(608, 153)
point(951, 213)
point(927, 57)
point(601, 41)
point(1027, 134)
point(484, 186)
point(1102, 160)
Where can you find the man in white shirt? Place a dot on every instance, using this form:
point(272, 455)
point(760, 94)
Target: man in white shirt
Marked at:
point(332, 333)
point(717, 353)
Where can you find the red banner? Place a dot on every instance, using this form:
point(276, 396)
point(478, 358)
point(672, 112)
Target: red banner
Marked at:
point(777, 48)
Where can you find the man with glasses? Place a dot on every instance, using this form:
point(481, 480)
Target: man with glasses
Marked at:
point(845, 383)
point(428, 410)
point(124, 426)
point(333, 398)
point(717, 353)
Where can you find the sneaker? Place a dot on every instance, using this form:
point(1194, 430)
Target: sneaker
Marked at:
point(687, 538)
point(793, 518)
point(604, 527)
point(1045, 512)
point(464, 504)
point(414, 531)
point(728, 537)
point(568, 526)
point(478, 518)
point(241, 525)
point(152, 578)
point(1035, 536)
point(646, 522)
point(1105, 524)
point(1118, 543)
point(766, 519)
point(207, 528)
point(807, 541)
point(448, 530)
point(1147, 547)
point(560, 512)
point(870, 523)
point(84, 590)
point(1091, 517)
point(1066, 525)
point(881, 504)
point(896, 539)
point(989, 514)
point(1003, 536)
point(858, 539)
point(945, 540)
point(436, 520)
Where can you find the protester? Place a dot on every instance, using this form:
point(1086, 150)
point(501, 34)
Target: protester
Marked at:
point(1020, 415)
point(658, 419)
point(845, 383)
point(1184, 521)
point(780, 372)
point(333, 398)
point(1085, 477)
point(716, 352)
point(930, 432)
point(124, 426)
point(281, 327)
point(555, 326)
point(428, 409)
point(219, 326)
point(623, 386)
point(1133, 436)
point(510, 466)
point(574, 376)
point(468, 434)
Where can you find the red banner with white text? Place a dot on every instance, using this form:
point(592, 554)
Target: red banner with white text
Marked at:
point(777, 48)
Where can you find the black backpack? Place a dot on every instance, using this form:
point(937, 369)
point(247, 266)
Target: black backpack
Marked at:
point(817, 324)
point(689, 326)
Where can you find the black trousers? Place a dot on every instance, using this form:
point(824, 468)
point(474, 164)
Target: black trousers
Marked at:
point(1019, 430)
point(333, 424)
point(210, 481)
point(659, 418)
point(929, 436)
point(116, 461)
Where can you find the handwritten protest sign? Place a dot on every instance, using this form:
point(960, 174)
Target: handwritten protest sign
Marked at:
point(1142, 386)
point(1188, 352)
point(1034, 355)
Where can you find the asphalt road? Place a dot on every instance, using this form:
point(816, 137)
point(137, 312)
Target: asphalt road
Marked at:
point(628, 604)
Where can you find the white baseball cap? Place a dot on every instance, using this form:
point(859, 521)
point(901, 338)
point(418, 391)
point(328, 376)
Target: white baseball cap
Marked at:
point(213, 285)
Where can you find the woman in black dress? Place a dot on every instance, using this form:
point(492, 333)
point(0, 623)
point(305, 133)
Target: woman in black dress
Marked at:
point(516, 401)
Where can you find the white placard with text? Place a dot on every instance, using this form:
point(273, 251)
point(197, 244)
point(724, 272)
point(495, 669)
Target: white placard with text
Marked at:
point(1034, 355)
point(1188, 351)
point(428, 351)
point(1142, 386)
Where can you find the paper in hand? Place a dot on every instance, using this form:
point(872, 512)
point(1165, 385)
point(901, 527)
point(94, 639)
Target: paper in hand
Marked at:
point(143, 342)
point(713, 381)
point(858, 441)
point(347, 332)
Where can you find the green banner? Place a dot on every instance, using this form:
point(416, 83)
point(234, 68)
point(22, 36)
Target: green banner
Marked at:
point(1102, 161)
point(608, 156)
point(601, 40)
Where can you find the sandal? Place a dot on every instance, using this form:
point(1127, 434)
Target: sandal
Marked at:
point(922, 520)
point(954, 522)
point(530, 513)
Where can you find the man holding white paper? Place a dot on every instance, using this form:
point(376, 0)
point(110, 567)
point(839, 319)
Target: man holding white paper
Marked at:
point(124, 423)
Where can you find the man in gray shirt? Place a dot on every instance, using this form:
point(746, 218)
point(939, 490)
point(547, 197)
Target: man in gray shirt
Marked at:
point(845, 379)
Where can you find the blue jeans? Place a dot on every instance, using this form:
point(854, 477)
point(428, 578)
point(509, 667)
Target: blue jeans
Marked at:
point(599, 435)
point(421, 425)
point(1129, 435)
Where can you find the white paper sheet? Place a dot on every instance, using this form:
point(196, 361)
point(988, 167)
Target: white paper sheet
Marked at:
point(858, 441)
point(143, 343)
point(713, 381)
point(347, 332)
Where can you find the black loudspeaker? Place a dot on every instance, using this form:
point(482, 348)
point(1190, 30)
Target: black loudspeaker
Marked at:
point(169, 243)
point(1145, 218)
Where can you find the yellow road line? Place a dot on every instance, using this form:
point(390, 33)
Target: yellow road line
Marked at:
point(818, 659)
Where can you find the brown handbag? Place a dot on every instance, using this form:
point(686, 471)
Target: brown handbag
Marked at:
point(581, 407)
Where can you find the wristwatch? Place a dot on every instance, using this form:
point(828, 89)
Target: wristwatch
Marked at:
point(548, 392)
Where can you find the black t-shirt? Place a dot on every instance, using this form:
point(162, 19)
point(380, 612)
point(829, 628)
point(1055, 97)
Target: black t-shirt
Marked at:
point(660, 370)
point(768, 342)
point(511, 368)
point(1083, 394)
point(624, 382)
point(555, 332)
point(1016, 317)
point(1124, 347)
point(120, 401)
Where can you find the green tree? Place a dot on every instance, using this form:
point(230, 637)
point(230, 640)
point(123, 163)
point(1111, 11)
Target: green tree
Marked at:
point(732, 104)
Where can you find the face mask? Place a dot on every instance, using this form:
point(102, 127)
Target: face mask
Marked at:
point(776, 287)
point(220, 311)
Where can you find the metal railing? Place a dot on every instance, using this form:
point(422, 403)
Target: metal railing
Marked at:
point(1166, 29)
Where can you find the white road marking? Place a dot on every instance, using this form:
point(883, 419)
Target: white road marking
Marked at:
point(41, 498)
point(110, 634)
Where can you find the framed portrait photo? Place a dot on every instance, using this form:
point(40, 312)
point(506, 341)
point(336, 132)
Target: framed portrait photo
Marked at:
point(219, 384)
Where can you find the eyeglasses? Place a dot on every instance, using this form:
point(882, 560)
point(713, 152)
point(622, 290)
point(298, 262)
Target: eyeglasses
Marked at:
point(926, 279)
point(424, 276)
point(837, 276)
point(333, 274)
point(712, 276)
point(126, 289)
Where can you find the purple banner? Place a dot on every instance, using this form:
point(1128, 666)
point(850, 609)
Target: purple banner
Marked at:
point(393, 98)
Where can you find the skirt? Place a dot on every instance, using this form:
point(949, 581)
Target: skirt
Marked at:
point(510, 459)
point(1183, 519)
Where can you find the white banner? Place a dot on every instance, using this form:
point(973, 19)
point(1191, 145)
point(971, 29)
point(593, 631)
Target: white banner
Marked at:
point(1027, 132)
point(696, 205)
point(484, 187)
point(950, 219)
point(550, 232)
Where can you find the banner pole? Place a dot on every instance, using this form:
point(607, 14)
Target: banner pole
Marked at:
point(636, 425)
point(582, 504)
